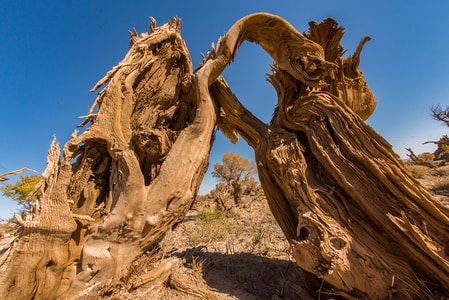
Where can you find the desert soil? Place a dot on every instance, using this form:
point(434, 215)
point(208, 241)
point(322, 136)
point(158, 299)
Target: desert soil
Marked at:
point(237, 254)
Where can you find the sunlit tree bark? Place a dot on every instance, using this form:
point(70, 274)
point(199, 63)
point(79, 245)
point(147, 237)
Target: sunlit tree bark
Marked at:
point(352, 213)
point(123, 182)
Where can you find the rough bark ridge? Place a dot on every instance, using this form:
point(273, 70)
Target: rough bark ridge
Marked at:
point(351, 211)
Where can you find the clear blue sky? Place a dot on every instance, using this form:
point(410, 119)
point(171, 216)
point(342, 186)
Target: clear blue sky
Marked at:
point(53, 52)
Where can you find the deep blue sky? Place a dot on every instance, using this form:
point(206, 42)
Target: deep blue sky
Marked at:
point(53, 52)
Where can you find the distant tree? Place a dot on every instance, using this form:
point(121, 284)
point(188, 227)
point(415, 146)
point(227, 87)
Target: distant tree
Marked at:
point(221, 195)
point(237, 173)
point(20, 191)
point(441, 154)
point(425, 158)
point(440, 114)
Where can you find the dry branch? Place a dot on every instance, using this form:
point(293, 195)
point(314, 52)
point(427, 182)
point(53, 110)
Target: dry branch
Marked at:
point(4, 176)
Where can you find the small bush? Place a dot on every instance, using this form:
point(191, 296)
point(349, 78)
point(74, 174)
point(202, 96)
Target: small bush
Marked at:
point(208, 216)
point(212, 226)
point(426, 156)
point(440, 172)
point(418, 171)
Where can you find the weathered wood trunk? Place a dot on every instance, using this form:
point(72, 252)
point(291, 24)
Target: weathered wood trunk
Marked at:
point(358, 221)
point(348, 206)
point(352, 212)
point(135, 173)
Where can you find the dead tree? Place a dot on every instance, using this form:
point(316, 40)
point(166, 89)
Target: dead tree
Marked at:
point(352, 212)
point(123, 182)
point(348, 206)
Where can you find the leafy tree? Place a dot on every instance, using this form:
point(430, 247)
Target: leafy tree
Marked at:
point(235, 172)
point(20, 191)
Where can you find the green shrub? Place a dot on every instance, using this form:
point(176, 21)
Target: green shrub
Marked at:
point(208, 216)
point(212, 226)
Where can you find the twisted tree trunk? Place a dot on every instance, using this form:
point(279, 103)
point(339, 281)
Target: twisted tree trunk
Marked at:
point(136, 172)
point(351, 211)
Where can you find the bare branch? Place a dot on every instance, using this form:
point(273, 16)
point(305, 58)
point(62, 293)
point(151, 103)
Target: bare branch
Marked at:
point(4, 176)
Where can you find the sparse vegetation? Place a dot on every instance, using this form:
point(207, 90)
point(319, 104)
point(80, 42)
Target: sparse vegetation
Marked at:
point(208, 216)
point(7, 227)
point(418, 171)
point(238, 252)
point(439, 172)
point(211, 226)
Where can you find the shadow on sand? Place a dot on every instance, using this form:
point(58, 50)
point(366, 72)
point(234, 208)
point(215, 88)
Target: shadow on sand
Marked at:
point(248, 276)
